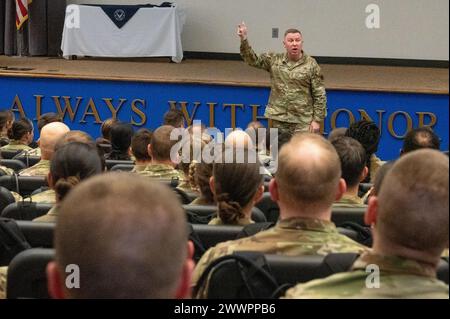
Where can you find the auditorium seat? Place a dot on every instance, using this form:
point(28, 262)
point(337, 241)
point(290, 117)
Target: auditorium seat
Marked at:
point(38, 235)
point(27, 159)
point(23, 185)
point(211, 235)
point(269, 208)
point(122, 167)
point(9, 154)
point(25, 210)
point(6, 198)
point(14, 164)
point(111, 163)
point(27, 274)
point(341, 215)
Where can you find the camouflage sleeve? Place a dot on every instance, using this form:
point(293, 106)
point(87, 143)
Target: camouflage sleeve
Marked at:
point(3, 273)
point(318, 94)
point(262, 61)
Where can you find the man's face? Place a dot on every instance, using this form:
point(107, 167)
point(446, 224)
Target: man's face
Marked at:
point(293, 42)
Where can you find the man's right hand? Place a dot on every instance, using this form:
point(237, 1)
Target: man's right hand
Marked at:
point(242, 31)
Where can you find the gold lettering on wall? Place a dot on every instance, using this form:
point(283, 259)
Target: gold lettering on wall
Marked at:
point(38, 106)
point(67, 106)
point(138, 112)
point(336, 113)
point(17, 106)
point(433, 119)
point(212, 114)
point(392, 119)
point(111, 107)
point(233, 112)
point(94, 112)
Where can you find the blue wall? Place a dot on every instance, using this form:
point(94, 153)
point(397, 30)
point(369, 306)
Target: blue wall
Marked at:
point(144, 104)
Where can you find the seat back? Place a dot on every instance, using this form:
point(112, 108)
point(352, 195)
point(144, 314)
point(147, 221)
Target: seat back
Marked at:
point(28, 160)
point(23, 185)
point(14, 164)
point(211, 235)
point(27, 274)
point(26, 210)
point(122, 167)
point(269, 208)
point(6, 198)
point(38, 235)
point(341, 215)
point(111, 163)
point(9, 154)
point(255, 275)
point(442, 271)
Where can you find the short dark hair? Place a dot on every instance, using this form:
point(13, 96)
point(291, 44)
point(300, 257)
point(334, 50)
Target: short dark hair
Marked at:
point(422, 137)
point(353, 159)
point(291, 30)
point(139, 144)
point(20, 128)
point(174, 117)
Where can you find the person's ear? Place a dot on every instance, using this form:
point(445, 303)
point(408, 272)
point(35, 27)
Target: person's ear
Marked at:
point(273, 190)
point(149, 150)
point(370, 217)
point(341, 189)
point(364, 174)
point(212, 185)
point(54, 281)
point(259, 194)
point(184, 288)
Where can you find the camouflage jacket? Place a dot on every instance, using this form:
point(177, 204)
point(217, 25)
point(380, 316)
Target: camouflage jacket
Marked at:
point(48, 197)
point(292, 237)
point(34, 152)
point(42, 168)
point(15, 146)
point(3, 275)
point(240, 222)
point(162, 171)
point(399, 278)
point(349, 201)
point(50, 217)
point(297, 90)
point(6, 171)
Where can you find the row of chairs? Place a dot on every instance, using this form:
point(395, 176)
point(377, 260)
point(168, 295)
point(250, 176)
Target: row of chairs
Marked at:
point(27, 275)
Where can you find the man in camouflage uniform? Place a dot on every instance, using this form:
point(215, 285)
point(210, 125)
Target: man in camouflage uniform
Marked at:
point(162, 167)
point(354, 170)
point(50, 134)
point(3, 274)
point(307, 182)
point(410, 225)
point(297, 99)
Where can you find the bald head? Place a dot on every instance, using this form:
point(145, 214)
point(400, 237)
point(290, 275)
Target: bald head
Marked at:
point(413, 203)
point(127, 234)
point(50, 134)
point(309, 172)
point(239, 139)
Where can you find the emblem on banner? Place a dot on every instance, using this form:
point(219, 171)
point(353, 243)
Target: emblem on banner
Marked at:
point(119, 15)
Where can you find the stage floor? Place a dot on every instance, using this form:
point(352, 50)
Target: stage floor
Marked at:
point(219, 72)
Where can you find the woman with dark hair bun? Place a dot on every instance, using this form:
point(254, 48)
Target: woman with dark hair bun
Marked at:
point(121, 135)
point(237, 186)
point(70, 164)
point(368, 134)
point(20, 135)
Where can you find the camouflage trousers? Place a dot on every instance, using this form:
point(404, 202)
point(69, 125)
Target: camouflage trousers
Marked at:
point(289, 128)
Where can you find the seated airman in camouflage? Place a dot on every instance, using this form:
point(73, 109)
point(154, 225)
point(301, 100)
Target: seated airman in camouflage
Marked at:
point(50, 134)
point(140, 149)
point(307, 183)
point(410, 225)
point(44, 120)
point(21, 135)
point(354, 170)
point(159, 149)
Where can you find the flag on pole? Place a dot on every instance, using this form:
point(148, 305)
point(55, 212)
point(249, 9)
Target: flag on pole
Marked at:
point(21, 12)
